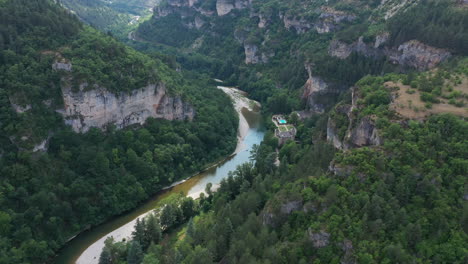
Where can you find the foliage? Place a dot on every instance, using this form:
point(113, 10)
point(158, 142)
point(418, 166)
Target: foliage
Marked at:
point(84, 179)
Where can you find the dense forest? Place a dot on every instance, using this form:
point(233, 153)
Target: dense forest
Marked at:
point(401, 202)
point(399, 197)
point(83, 179)
point(217, 47)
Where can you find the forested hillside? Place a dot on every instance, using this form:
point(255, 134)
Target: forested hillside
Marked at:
point(340, 41)
point(399, 199)
point(377, 91)
point(56, 182)
point(378, 174)
point(117, 17)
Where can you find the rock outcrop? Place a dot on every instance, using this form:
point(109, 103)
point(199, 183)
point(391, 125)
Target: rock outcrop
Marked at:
point(419, 55)
point(332, 134)
point(277, 210)
point(251, 54)
point(364, 134)
point(21, 109)
point(62, 65)
point(300, 25)
point(224, 7)
point(410, 54)
point(99, 107)
point(359, 133)
point(392, 7)
point(328, 21)
point(319, 239)
point(343, 50)
point(254, 56)
point(333, 131)
point(314, 89)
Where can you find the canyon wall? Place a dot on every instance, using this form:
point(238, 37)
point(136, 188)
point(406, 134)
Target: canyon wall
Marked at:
point(99, 107)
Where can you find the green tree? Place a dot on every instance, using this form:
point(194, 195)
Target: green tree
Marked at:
point(135, 254)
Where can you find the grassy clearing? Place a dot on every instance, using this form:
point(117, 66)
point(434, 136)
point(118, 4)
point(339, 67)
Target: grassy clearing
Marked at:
point(408, 101)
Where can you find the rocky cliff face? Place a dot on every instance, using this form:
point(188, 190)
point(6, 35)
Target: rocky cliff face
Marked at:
point(254, 56)
point(411, 54)
point(363, 134)
point(99, 107)
point(251, 54)
point(224, 7)
point(319, 239)
point(419, 55)
point(300, 25)
point(315, 91)
point(328, 21)
point(359, 133)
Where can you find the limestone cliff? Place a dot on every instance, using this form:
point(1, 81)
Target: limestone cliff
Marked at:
point(418, 55)
point(357, 132)
point(316, 91)
point(363, 134)
point(98, 107)
point(329, 20)
point(413, 53)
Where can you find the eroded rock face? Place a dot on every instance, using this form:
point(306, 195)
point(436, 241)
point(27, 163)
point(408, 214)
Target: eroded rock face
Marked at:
point(332, 134)
point(359, 133)
point(364, 134)
point(21, 109)
point(343, 50)
point(340, 49)
point(314, 89)
point(262, 23)
point(224, 7)
point(330, 20)
point(99, 107)
point(381, 39)
point(41, 146)
point(62, 65)
point(392, 7)
point(412, 53)
point(251, 56)
point(254, 56)
point(300, 25)
point(319, 239)
point(291, 206)
point(419, 55)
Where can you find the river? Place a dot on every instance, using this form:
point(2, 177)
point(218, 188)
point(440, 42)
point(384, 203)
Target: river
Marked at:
point(86, 247)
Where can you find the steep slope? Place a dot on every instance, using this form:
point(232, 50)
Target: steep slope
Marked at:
point(342, 40)
point(117, 17)
point(84, 128)
point(397, 194)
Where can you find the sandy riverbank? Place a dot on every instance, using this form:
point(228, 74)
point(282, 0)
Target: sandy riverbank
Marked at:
point(240, 101)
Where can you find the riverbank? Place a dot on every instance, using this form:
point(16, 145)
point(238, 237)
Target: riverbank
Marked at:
point(87, 247)
point(240, 101)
